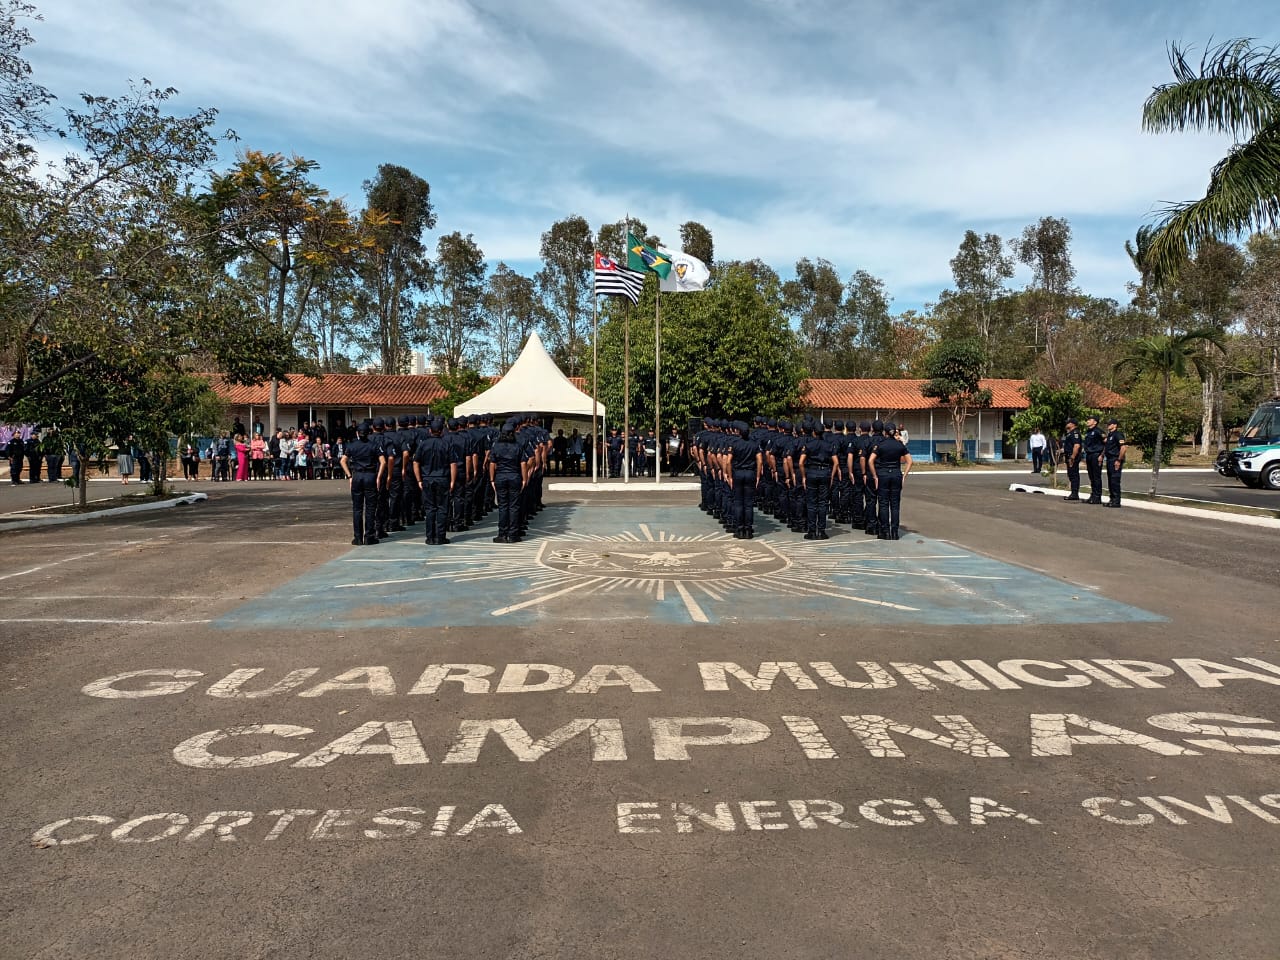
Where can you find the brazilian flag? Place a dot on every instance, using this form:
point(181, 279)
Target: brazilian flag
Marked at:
point(640, 257)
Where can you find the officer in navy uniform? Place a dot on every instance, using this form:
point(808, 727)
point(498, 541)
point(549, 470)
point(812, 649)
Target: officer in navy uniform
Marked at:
point(817, 465)
point(873, 484)
point(1114, 447)
point(615, 445)
point(435, 468)
point(744, 466)
point(378, 437)
point(395, 447)
point(1093, 444)
point(889, 464)
point(856, 465)
point(362, 465)
point(840, 485)
point(508, 472)
point(1072, 448)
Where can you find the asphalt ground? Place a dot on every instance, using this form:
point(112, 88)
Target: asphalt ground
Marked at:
point(993, 800)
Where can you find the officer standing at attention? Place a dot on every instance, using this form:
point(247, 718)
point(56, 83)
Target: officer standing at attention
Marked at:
point(395, 440)
point(1114, 447)
point(1072, 448)
point(817, 464)
point(856, 464)
point(745, 466)
point(873, 484)
point(435, 467)
point(362, 464)
point(508, 474)
point(889, 465)
point(1093, 443)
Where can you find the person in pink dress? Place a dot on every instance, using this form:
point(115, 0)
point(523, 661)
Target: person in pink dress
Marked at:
point(257, 453)
point(242, 458)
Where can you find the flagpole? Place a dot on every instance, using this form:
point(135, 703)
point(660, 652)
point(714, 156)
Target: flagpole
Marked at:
point(595, 378)
point(657, 384)
point(626, 372)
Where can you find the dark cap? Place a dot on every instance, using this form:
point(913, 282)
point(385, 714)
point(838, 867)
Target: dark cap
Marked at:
point(839, 424)
point(890, 427)
point(405, 421)
point(1072, 422)
point(864, 425)
point(1091, 416)
point(378, 422)
point(877, 425)
point(1113, 420)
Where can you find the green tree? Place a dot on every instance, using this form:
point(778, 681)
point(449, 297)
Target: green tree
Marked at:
point(1142, 422)
point(454, 319)
point(459, 386)
point(268, 209)
point(695, 240)
point(565, 282)
point(980, 268)
point(1049, 408)
point(395, 267)
point(869, 326)
point(1208, 287)
point(815, 302)
point(1165, 357)
point(1235, 90)
point(1260, 299)
point(954, 368)
point(1045, 247)
point(513, 310)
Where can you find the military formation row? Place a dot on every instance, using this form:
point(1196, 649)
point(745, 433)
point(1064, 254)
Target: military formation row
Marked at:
point(802, 473)
point(449, 474)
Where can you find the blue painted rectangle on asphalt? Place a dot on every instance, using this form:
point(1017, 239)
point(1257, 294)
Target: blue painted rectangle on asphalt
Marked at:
point(669, 565)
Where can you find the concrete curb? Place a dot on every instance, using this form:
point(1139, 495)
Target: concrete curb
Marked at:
point(183, 501)
point(1267, 522)
point(637, 486)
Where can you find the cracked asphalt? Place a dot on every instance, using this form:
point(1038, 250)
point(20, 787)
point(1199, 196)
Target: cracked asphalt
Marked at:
point(1092, 790)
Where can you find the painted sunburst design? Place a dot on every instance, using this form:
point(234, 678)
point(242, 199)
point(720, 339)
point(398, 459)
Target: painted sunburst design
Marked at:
point(707, 572)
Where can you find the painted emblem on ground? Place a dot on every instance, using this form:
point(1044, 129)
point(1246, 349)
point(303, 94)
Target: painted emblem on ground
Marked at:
point(669, 565)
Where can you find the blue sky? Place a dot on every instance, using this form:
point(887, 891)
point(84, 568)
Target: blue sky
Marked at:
point(870, 133)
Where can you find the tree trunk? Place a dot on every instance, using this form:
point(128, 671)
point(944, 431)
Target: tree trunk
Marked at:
point(1211, 412)
point(160, 473)
point(957, 424)
point(1155, 466)
point(83, 489)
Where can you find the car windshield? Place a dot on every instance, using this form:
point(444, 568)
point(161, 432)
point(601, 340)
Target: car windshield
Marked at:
point(1262, 427)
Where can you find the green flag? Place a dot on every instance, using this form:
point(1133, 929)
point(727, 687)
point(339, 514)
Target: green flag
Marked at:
point(640, 257)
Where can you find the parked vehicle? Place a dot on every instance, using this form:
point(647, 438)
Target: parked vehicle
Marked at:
point(1256, 462)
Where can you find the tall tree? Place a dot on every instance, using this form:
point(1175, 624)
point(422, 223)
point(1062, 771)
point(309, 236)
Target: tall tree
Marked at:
point(954, 368)
point(980, 269)
point(455, 322)
point(398, 212)
point(815, 302)
point(695, 240)
point(1235, 90)
point(870, 327)
point(565, 284)
point(1208, 287)
point(1260, 298)
point(1045, 247)
point(1166, 356)
point(513, 310)
point(22, 100)
point(267, 208)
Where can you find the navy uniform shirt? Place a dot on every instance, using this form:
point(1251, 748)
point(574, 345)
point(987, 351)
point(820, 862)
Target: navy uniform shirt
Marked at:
point(1113, 443)
point(1071, 445)
point(818, 452)
point(362, 456)
point(1093, 442)
point(507, 457)
point(433, 455)
point(744, 451)
point(889, 454)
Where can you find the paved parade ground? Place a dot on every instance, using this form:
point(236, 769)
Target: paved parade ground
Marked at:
point(1028, 729)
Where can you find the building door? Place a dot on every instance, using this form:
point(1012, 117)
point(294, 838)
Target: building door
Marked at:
point(336, 423)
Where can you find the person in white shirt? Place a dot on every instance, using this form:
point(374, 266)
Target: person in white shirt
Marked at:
point(1037, 445)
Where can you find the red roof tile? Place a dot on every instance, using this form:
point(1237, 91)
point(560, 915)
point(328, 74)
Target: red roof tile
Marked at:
point(905, 395)
point(340, 390)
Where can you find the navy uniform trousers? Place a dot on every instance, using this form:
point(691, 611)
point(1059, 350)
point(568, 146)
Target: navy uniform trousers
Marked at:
point(364, 496)
point(817, 498)
point(435, 506)
point(743, 499)
point(890, 495)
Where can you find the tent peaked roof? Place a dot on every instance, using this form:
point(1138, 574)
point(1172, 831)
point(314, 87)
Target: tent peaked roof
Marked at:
point(535, 384)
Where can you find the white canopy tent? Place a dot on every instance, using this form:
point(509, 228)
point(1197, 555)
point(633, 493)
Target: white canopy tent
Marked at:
point(534, 384)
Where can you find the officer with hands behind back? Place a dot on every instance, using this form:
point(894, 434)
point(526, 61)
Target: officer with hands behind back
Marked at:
point(362, 464)
point(1072, 448)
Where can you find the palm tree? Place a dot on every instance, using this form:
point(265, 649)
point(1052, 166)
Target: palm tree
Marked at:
point(1235, 91)
point(1168, 355)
